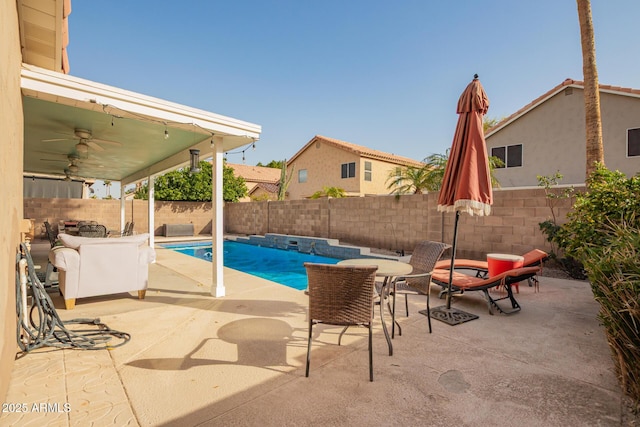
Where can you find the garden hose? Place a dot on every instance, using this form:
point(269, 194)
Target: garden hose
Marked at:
point(44, 328)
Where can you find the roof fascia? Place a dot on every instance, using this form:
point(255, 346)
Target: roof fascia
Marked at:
point(56, 85)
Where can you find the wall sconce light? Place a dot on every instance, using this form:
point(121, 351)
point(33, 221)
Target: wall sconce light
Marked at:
point(166, 134)
point(195, 161)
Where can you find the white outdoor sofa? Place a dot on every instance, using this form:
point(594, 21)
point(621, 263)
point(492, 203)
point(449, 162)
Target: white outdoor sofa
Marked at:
point(101, 266)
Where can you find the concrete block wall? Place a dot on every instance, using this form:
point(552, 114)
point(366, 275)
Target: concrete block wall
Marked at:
point(387, 222)
point(107, 212)
point(383, 222)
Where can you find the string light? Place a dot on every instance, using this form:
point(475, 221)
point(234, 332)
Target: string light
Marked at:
point(112, 111)
point(252, 145)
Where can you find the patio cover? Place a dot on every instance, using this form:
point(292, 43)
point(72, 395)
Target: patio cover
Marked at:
point(131, 137)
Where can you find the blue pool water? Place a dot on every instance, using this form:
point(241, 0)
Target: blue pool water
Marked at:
point(277, 265)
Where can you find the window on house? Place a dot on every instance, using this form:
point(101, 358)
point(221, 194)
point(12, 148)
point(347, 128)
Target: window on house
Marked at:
point(633, 142)
point(501, 153)
point(367, 171)
point(302, 175)
point(349, 170)
point(511, 155)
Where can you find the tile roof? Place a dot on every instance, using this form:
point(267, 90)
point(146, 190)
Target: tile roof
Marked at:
point(542, 98)
point(256, 173)
point(266, 186)
point(359, 150)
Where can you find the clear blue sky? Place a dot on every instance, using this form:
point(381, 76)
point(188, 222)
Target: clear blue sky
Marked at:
point(384, 74)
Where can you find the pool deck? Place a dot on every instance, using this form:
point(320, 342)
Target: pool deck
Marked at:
point(196, 360)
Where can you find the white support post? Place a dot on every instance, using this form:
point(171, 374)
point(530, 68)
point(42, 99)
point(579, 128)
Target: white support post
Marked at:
point(151, 212)
point(217, 229)
point(122, 207)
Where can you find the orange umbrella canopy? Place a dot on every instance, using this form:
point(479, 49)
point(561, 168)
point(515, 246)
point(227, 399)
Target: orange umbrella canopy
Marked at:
point(466, 186)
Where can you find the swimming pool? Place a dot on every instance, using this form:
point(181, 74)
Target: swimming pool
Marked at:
point(277, 265)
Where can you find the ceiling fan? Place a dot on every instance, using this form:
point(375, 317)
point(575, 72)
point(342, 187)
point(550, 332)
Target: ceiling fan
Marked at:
point(73, 162)
point(86, 140)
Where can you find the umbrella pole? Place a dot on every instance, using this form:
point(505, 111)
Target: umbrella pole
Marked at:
point(453, 258)
point(446, 314)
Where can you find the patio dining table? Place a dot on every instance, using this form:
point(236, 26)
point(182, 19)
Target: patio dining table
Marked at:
point(387, 269)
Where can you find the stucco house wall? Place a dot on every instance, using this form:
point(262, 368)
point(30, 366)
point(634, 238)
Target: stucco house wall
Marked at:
point(11, 123)
point(552, 135)
point(323, 157)
point(323, 165)
point(379, 174)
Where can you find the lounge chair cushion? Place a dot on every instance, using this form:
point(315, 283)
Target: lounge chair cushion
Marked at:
point(467, 282)
point(531, 258)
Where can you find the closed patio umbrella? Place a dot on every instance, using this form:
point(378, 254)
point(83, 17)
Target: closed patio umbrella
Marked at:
point(466, 186)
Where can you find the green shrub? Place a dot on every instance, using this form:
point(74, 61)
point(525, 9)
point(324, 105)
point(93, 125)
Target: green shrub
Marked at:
point(603, 233)
point(614, 273)
point(550, 227)
point(611, 199)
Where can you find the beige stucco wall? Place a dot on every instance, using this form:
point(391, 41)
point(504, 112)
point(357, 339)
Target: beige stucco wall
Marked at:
point(11, 123)
point(323, 163)
point(553, 138)
point(379, 175)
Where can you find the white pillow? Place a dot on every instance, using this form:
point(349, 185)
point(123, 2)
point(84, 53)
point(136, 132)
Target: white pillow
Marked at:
point(74, 242)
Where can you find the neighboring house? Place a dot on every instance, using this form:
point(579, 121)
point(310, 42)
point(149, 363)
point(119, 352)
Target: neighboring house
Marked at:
point(327, 162)
point(262, 182)
point(548, 135)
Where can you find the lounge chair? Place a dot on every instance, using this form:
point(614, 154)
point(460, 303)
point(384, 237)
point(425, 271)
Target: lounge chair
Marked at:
point(465, 283)
point(533, 258)
point(342, 296)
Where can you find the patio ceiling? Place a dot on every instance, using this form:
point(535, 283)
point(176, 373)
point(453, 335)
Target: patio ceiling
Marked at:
point(127, 130)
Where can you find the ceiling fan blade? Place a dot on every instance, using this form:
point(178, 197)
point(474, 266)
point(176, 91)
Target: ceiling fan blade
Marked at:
point(49, 153)
point(95, 146)
point(55, 160)
point(57, 139)
point(105, 141)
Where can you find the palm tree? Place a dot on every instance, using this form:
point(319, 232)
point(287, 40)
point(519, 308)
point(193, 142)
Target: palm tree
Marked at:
point(435, 165)
point(408, 180)
point(107, 184)
point(333, 192)
point(595, 150)
point(414, 180)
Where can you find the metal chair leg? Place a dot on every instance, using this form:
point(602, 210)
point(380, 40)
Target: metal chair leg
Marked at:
point(341, 334)
point(309, 347)
point(370, 353)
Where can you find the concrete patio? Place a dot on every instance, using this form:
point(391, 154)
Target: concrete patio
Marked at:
point(195, 360)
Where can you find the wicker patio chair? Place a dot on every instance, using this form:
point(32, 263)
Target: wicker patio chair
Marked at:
point(51, 235)
point(128, 229)
point(341, 296)
point(90, 230)
point(423, 259)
